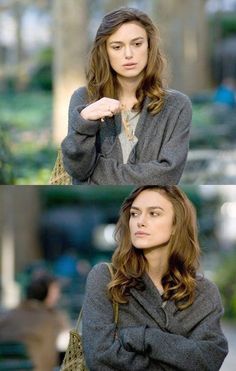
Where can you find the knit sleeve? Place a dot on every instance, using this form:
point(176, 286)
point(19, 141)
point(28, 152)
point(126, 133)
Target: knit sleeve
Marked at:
point(204, 348)
point(79, 146)
point(102, 347)
point(167, 169)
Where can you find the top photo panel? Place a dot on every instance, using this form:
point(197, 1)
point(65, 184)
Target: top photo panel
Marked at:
point(117, 92)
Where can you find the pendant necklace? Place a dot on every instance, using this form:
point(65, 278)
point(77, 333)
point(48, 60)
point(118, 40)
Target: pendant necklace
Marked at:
point(129, 132)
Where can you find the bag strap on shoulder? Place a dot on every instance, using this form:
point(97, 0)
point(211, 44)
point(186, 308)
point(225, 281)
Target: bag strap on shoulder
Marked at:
point(115, 304)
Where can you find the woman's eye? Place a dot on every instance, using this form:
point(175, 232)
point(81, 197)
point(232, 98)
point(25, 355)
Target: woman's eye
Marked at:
point(133, 214)
point(138, 44)
point(116, 47)
point(155, 213)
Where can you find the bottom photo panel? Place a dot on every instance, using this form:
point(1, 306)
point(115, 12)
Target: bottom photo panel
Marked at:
point(118, 278)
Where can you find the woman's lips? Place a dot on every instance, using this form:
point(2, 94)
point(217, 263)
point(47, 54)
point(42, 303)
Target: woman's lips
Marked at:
point(141, 234)
point(130, 65)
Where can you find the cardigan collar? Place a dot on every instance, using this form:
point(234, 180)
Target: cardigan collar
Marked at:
point(142, 118)
point(151, 300)
point(138, 130)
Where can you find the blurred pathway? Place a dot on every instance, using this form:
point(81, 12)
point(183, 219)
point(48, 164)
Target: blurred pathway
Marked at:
point(230, 361)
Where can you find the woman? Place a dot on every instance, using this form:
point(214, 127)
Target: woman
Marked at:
point(125, 127)
point(168, 314)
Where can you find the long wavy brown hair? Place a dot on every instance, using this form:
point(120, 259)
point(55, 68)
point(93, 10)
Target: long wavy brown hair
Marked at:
point(101, 78)
point(130, 264)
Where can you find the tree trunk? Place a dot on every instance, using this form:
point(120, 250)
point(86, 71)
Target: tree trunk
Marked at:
point(183, 25)
point(19, 70)
point(70, 49)
point(2, 62)
point(19, 216)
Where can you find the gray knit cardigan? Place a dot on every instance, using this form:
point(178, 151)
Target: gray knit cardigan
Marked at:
point(151, 336)
point(92, 151)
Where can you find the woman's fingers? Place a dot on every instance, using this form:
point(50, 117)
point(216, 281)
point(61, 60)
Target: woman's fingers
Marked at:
point(105, 107)
point(107, 113)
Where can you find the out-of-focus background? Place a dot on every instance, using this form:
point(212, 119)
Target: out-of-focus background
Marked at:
point(43, 50)
point(66, 230)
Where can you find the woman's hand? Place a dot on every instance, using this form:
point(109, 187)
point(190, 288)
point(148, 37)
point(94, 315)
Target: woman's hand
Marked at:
point(102, 108)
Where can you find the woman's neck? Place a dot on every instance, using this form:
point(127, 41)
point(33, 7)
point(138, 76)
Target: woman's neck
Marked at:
point(157, 264)
point(128, 89)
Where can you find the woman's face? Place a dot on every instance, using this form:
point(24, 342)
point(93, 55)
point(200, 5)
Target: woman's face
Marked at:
point(127, 50)
point(151, 220)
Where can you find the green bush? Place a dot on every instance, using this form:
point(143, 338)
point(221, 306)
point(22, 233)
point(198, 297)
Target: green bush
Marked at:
point(6, 158)
point(226, 22)
point(27, 154)
point(225, 278)
point(42, 74)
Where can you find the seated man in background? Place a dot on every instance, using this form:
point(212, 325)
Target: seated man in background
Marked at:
point(37, 323)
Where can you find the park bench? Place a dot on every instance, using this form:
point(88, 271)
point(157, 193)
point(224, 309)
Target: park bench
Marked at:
point(14, 357)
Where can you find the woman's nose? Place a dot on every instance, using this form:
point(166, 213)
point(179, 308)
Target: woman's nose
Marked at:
point(141, 222)
point(128, 52)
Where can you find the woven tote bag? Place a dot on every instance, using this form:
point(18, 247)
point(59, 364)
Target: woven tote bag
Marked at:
point(74, 358)
point(59, 175)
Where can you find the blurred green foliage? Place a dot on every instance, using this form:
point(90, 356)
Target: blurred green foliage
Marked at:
point(26, 117)
point(70, 195)
point(202, 115)
point(203, 128)
point(60, 195)
point(6, 170)
point(212, 127)
point(225, 278)
point(224, 22)
point(42, 75)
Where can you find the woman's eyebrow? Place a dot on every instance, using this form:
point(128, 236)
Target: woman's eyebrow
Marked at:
point(149, 208)
point(121, 42)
